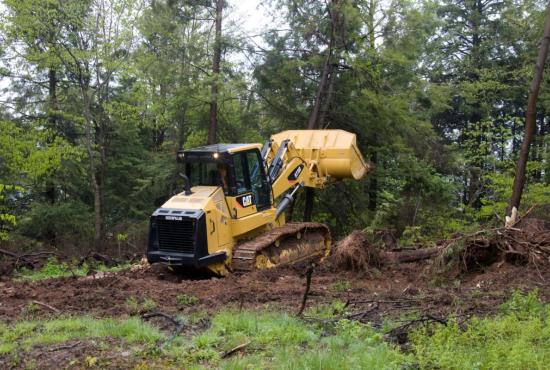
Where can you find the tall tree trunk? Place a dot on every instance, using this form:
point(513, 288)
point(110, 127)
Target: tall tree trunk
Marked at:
point(101, 177)
point(213, 128)
point(308, 207)
point(314, 116)
point(328, 98)
point(530, 117)
point(50, 192)
point(52, 98)
point(326, 75)
point(373, 185)
point(99, 229)
point(321, 95)
point(181, 128)
point(52, 120)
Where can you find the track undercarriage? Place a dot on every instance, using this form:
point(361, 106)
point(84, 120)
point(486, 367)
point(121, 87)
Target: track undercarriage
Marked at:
point(290, 243)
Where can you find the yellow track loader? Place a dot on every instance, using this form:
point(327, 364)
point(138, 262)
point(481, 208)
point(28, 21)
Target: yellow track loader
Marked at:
point(230, 216)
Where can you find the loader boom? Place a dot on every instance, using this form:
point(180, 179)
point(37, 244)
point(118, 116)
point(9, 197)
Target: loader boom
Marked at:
point(316, 157)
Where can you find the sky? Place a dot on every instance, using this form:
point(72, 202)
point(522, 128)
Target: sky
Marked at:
point(248, 15)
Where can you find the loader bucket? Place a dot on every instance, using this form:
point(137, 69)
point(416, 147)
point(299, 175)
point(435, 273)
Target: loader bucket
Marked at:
point(331, 153)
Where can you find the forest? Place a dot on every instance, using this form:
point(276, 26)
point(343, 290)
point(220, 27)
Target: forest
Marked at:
point(98, 96)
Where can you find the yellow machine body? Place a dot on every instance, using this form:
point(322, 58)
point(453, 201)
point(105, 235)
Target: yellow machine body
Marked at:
point(201, 229)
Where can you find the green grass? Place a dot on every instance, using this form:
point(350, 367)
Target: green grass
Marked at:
point(517, 338)
point(55, 269)
point(276, 341)
point(25, 334)
point(279, 341)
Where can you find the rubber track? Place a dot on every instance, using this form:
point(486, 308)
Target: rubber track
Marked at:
point(244, 256)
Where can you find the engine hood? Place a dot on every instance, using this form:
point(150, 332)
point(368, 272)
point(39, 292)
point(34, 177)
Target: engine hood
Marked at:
point(197, 200)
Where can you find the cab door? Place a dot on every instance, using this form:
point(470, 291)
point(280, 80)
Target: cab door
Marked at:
point(251, 188)
point(258, 180)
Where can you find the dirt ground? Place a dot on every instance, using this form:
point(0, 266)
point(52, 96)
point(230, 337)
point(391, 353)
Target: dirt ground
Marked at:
point(373, 296)
point(393, 290)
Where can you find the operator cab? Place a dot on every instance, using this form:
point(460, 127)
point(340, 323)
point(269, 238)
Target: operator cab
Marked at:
point(237, 168)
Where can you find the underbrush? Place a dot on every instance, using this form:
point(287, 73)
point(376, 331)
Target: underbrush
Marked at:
point(516, 338)
point(55, 269)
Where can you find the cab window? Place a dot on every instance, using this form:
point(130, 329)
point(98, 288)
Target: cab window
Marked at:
point(241, 180)
point(258, 182)
point(208, 174)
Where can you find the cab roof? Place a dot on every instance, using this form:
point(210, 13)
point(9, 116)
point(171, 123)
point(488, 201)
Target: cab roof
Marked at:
point(223, 148)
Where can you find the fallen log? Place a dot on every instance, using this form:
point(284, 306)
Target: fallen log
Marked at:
point(389, 257)
point(234, 350)
point(45, 305)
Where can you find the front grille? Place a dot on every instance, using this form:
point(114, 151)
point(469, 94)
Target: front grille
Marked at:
point(176, 236)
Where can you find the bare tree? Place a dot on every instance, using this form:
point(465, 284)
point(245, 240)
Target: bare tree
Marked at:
point(216, 59)
point(323, 96)
point(530, 124)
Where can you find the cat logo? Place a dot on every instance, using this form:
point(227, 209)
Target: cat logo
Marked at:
point(247, 200)
point(296, 173)
point(174, 218)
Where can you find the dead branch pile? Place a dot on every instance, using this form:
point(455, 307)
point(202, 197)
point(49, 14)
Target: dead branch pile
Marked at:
point(529, 244)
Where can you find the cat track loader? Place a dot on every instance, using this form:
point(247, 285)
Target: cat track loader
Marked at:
point(230, 216)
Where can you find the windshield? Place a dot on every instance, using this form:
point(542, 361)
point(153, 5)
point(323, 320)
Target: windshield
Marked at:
point(208, 174)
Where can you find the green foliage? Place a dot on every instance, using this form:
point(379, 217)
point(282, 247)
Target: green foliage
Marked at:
point(525, 306)
point(435, 92)
point(54, 269)
point(187, 300)
point(515, 339)
point(7, 220)
point(51, 270)
point(68, 221)
point(500, 191)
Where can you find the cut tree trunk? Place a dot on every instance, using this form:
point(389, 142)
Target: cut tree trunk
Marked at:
point(530, 116)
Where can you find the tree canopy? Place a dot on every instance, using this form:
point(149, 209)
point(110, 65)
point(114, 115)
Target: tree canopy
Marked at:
point(98, 96)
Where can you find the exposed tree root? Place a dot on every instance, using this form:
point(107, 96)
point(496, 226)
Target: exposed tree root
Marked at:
point(527, 243)
point(356, 253)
